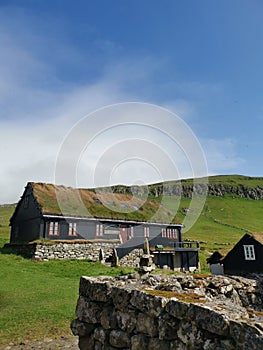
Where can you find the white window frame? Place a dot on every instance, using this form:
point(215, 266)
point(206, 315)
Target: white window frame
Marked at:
point(146, 231)
point(99, 230)
point(53, 228)
point(249, 252)
point(72, 229)
point(175, 233)
point(163, 232)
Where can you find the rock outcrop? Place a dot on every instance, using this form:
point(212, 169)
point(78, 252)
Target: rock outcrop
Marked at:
point(202, 189)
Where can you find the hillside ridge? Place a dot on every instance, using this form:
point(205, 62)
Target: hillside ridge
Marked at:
point(218, 186)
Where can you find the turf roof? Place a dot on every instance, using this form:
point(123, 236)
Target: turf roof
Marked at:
point(99, 204)
point(258, 236)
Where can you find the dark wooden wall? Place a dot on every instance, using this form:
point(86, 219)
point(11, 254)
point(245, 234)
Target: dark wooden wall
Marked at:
point(235, 262)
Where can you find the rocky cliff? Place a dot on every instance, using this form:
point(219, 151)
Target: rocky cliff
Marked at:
point(220, 186)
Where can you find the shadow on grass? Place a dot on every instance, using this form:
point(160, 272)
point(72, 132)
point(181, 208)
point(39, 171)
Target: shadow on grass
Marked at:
point(26, 251)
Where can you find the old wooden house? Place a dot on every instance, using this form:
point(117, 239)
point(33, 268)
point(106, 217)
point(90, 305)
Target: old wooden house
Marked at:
point(47, 211)
point(244, 258)
point(85, 214)
point(246, 255)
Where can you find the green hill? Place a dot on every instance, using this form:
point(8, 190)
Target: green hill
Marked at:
point(220, 185)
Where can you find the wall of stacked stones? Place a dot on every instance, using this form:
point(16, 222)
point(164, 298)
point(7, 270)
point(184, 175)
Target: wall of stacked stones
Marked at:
point(75, 250)
point(117, 315)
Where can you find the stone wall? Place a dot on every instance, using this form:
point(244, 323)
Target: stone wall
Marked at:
point(132, 259)
point(74, 250)
point(63, 250)
point(160, 312)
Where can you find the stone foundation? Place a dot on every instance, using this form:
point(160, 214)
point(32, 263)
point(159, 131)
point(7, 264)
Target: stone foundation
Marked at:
point(160, 312)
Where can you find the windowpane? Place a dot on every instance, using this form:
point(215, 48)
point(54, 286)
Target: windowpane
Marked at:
point(249, 252)
point(99, 230)
point(146, 231)
point(72, 229)
point(53, 229)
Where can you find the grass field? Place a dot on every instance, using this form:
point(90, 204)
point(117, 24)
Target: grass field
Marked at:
point(38, 299)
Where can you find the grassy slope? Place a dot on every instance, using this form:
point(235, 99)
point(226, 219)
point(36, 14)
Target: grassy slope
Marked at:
point(38, 298)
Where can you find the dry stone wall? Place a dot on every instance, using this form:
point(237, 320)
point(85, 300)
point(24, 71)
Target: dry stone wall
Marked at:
point(158, 312)
point(75, 250)
point(63, 250)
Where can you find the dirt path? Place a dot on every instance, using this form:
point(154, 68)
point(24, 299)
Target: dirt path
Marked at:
point(45, 344)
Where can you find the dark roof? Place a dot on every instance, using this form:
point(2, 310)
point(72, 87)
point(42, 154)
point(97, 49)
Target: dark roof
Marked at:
point(216, 257)
point(67, 201)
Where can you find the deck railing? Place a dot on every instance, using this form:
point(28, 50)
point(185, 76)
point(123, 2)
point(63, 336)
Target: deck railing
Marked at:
point(186, 244)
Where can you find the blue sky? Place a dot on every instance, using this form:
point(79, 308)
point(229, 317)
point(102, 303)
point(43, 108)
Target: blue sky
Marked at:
point(60, 60)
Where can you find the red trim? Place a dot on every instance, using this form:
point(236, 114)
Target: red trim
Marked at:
point(72, 229)
point(55, 228)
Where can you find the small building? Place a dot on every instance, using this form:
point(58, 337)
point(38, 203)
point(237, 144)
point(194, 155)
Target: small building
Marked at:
point(246, 255)
point(244, 258)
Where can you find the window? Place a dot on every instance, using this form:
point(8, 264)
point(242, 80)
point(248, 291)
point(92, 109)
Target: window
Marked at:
point(125, 206)
point(97, 201)
point(163, 232)
point(99, 230)
point(53, 228)
point(146, 231)
point(170, 233)
point(174, 233)
point(249, 252)
point(72, 229)
point(26, 202)
point(132, 232)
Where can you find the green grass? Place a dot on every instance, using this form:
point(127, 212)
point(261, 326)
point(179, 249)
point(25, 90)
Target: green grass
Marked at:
point(38, 299)
point(228, 180)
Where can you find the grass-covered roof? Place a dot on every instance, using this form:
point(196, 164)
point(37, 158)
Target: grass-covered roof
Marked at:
point(61, 200)
point(258, 236)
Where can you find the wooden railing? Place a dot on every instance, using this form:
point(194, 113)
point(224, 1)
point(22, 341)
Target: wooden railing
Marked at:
point(186, 244)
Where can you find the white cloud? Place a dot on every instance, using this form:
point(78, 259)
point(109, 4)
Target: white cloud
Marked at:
point(222, 155)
